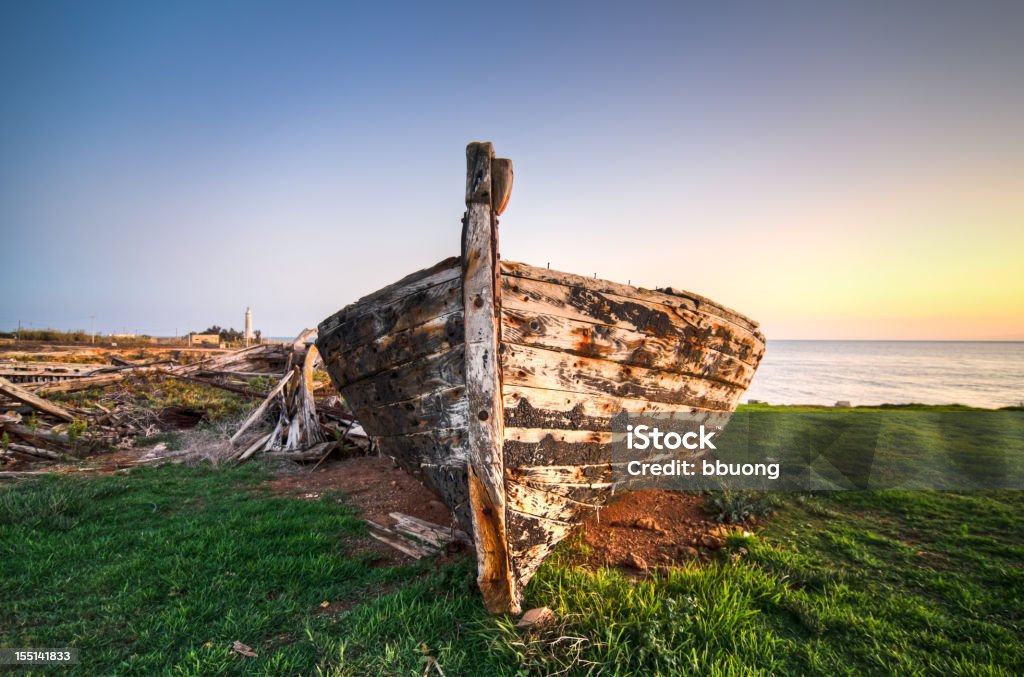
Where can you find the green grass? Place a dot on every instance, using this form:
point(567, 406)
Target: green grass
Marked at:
point(159, 571)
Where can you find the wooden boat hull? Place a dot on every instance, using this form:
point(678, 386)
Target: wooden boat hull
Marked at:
point(497, 382)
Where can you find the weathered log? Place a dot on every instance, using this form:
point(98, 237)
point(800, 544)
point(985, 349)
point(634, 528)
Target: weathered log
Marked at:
point(22, 395)
point(38, 438)
point(37, 452)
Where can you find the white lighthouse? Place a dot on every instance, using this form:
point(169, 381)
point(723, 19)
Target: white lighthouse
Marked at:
point(248, 325)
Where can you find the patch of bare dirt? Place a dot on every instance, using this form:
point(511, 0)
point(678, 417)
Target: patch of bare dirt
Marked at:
point(642, 531)
point(376, 486)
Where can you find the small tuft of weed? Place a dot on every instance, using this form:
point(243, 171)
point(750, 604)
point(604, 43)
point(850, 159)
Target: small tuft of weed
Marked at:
point(735, 507)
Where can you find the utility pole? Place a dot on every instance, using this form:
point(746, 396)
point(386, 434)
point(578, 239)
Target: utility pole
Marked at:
point(92, 328)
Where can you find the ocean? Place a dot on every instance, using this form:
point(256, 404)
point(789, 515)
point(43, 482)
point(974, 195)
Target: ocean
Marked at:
point(975, 373)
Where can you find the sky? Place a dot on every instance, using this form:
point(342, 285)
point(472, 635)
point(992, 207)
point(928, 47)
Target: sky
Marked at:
point(833, 170)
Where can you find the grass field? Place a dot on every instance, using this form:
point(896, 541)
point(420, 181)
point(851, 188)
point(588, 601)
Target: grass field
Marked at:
point(159, 571)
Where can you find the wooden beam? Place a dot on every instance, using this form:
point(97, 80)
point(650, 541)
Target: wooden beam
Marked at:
point(260, 410)
point(481, 305)
point(18, 393)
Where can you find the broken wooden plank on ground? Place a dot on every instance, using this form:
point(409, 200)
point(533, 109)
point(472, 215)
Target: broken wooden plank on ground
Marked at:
point(251, 449)
point(399, 542)
point(432, 534)
point(27, 397)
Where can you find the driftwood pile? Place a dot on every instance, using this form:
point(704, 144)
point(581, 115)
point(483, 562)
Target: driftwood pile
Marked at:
point(38, 430)
point(299, 432)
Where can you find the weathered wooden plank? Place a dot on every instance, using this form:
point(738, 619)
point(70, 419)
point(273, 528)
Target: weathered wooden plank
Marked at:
point(258, 413)
point(482, 305)
point(14, 368)
point(562, 404)
point(434, 372)
point(587, 305)
point(562, 410)
point(367, 323)
point(538, 368)
point(501, 184)
point(593, 476)
point(537, 435)
point(443, 271)
point(27, 397)
point(432, 534)
point(673, 298)
point(447, 408)
point(434, 336)
point(446, 445)
point(400, 542)
point(256, 444)
point(82, 383)
point(47, 454)
point(623, 346)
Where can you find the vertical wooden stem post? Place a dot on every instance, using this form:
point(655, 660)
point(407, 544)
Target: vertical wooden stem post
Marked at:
point(480, 295)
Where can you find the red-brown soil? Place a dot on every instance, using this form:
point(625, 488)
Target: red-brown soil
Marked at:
point(643, 530)
point(375, 485)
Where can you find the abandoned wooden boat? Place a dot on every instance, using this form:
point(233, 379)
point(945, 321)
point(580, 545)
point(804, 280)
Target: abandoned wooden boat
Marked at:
point(498, 381)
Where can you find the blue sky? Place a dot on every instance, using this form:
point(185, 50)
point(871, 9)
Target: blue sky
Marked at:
point(834, 170)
